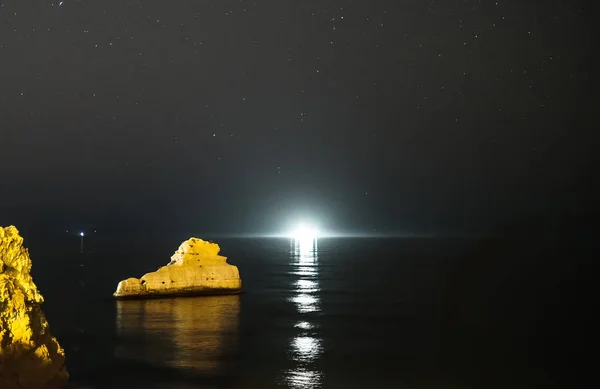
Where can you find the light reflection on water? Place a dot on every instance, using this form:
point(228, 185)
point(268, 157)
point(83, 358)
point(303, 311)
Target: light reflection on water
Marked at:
point(305, 347)
point(305, 271)
point(306, 303)
point(193, 332)
point(304, 325)
point(304, 256)
point(307, 286)
point(304, 379)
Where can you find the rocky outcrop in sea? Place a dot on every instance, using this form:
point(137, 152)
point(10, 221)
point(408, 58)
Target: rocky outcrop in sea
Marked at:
point(196, 268)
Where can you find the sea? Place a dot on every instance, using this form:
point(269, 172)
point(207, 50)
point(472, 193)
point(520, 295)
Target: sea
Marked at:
point(428, 312)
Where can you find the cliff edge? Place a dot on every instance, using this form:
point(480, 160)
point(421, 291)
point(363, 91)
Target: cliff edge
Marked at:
point(30, 358)
point(196, 268)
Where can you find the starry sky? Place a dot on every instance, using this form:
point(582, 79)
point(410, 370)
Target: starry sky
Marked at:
point(244, 116)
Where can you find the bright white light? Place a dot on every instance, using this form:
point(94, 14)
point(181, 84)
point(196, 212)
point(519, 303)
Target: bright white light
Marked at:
point(304, 232)
point(81, 233)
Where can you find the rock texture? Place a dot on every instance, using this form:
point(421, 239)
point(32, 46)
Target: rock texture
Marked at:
point(30, 358)
point(196, 268)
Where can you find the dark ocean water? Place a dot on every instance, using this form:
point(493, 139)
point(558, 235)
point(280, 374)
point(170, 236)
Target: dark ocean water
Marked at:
point(332, 313)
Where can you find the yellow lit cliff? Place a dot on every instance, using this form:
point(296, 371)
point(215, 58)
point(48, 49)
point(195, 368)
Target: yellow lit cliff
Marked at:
point(196, 268)
point(30, 358)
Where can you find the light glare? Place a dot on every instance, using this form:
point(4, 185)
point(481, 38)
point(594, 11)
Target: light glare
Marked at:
point(304, 232)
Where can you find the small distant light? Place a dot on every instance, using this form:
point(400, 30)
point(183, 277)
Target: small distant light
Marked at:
point(81, 234)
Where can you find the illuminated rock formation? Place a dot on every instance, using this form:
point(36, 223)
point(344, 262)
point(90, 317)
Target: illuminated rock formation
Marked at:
point(196, 268)
point(30, 358)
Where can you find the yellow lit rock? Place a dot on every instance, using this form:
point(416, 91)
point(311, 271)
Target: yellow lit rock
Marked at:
point(196, 268)
point(30, 358)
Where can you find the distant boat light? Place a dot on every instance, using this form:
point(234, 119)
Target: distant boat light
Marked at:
point(81, 234)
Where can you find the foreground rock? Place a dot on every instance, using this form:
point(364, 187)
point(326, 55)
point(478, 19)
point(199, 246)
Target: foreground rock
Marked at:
point(30, 358)
point(196, 268)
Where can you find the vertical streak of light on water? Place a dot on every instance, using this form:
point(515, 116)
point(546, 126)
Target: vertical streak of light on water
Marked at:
point(306, 346)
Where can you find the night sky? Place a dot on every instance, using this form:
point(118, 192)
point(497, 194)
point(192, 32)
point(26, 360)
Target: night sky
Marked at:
point(245, 116)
